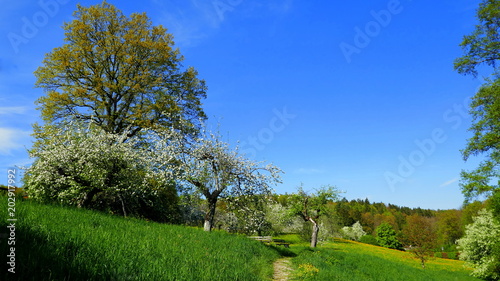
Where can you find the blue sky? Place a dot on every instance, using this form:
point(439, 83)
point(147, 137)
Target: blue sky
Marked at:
point(357, 94)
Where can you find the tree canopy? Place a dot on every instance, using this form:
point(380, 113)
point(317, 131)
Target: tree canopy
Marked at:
point(122, 73)
point(482, 47)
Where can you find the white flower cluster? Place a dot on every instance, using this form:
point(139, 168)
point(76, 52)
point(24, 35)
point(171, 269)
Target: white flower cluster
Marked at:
point(354, 232)
point(477, 247)
point(80, 161)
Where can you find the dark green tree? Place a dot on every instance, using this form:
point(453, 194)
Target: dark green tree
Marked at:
point(386, 237)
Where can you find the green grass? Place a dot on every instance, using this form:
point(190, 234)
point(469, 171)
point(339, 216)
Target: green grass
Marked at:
point(346, 260)
point(55, 243)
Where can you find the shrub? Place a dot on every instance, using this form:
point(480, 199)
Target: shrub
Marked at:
point(386, 237)
point(369, 239)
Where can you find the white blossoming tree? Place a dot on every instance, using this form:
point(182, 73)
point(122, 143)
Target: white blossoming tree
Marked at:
point(84, 166)
point(216, 170)
point(480, 247)
point(354, 232)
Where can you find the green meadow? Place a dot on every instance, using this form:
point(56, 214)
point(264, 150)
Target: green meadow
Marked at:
point(59, 243)
point(353, 261)
point(56, 243)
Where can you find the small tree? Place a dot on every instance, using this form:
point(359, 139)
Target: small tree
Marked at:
point(420, 237)
point(480, 247)
point(216, 171)
point(312, 206)
point(354, 232)
point(386, 237)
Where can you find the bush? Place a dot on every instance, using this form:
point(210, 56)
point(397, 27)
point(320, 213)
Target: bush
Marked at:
point(369, 239)
point(386, 237)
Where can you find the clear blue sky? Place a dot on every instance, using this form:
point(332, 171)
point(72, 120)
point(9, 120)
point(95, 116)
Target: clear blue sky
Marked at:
point(357, 94)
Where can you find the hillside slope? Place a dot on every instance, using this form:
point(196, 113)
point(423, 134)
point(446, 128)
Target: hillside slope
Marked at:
point(56, 243)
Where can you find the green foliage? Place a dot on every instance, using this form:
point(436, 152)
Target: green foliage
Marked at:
point(420, 236)
point(486, 128)
point(449, 227)
point(480, 247)
point(62, 243)
point(386, 237)
point(310, 207)
point(369, 239)
point(122, 73)
point(481, 47)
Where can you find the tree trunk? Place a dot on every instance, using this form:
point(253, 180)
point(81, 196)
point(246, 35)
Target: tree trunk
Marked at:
point(209, 216)
point(88, 198)
point(315, 231)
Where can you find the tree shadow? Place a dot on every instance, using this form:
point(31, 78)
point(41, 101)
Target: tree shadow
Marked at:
point(282, 251)
point(37, 258)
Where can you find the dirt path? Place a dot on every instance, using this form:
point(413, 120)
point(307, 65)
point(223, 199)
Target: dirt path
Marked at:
point(282, 269)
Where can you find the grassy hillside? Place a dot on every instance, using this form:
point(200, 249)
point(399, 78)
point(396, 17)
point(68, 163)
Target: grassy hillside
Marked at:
point(347, 260)
point(55, 243)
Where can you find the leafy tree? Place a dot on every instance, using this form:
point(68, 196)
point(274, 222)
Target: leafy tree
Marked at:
point(311, 206)
point(122, 73)
point(420, 236)
point(386, 237)
point(216, 171)
point(354, 232)
point(87, 167)
point(449, 227)
point(480, 247)
point(483, 47)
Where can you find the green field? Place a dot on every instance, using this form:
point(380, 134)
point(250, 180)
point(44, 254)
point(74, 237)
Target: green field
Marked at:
point(56, 243)
point(348, 260)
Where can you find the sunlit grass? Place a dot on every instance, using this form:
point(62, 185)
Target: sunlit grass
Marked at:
point(348, 260)
point(55, 243)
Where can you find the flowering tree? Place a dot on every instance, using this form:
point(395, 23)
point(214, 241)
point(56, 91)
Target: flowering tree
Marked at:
point(480, 247)
point(312, 206)
point(215, 170)
point(87, 167)
point(354, 232)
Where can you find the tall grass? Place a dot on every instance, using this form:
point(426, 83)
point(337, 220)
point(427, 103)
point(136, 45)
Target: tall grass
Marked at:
point(346, 260)
point(56, 243)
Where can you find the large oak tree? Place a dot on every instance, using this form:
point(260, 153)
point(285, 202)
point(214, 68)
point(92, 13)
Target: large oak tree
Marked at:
point(122, 73)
